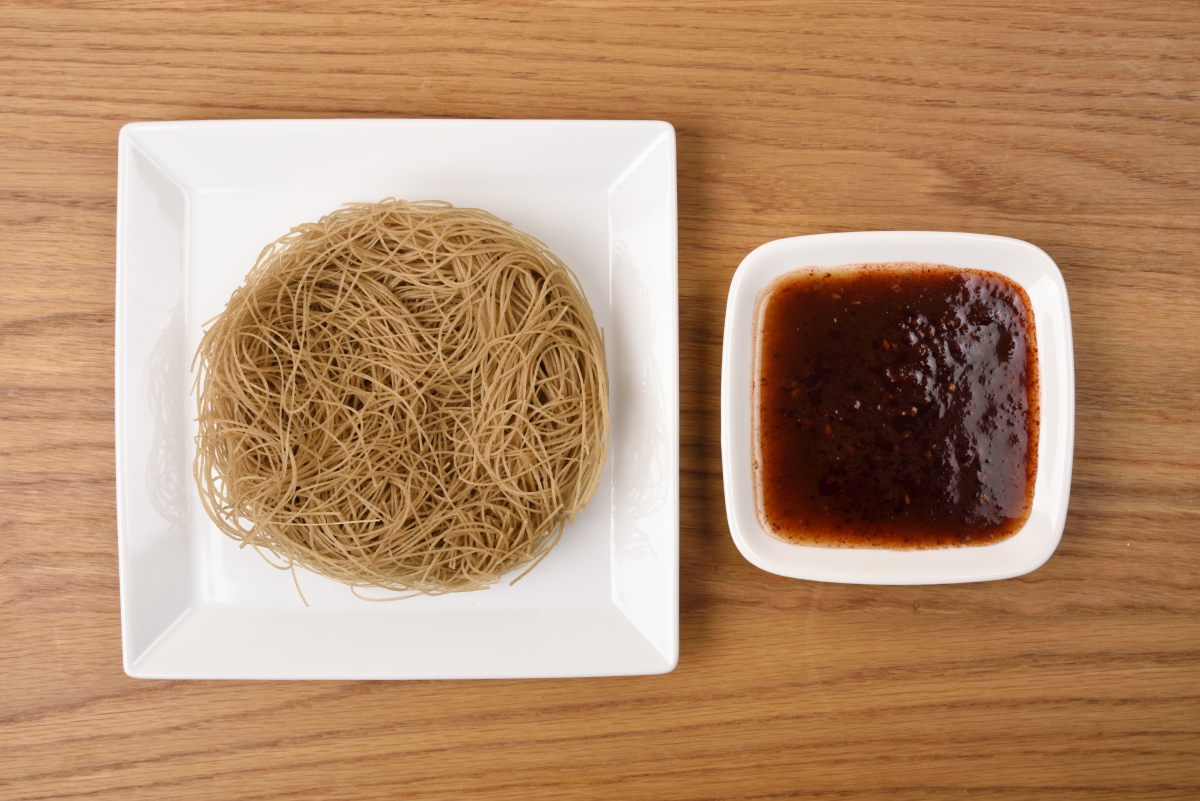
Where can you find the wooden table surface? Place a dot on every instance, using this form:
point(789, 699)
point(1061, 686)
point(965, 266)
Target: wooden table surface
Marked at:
point(1073, 126)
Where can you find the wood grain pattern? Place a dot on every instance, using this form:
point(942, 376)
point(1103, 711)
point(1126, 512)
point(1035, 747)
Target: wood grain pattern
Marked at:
point(1073, 125)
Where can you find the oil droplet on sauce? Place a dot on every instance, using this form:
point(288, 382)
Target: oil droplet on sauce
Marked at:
point(895, 406)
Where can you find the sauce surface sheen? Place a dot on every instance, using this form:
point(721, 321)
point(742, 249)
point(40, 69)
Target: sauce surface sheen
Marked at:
point(896, 406)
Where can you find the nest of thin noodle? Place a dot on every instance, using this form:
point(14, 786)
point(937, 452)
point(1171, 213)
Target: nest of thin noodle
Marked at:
point(402, 395)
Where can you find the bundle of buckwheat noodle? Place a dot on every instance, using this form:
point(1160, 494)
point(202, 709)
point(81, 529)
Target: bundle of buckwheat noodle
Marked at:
point(402, 395)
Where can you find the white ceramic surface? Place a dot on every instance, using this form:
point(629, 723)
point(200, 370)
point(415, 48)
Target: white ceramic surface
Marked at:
point(1024, 551)
point(196, 201)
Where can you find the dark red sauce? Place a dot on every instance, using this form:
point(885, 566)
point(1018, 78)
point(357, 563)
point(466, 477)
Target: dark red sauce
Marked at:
point(896, 407)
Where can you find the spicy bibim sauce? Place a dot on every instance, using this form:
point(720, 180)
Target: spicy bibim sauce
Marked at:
point(896, 406)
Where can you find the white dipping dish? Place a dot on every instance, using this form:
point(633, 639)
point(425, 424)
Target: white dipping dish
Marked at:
point(1021, 553)
point(197, 201)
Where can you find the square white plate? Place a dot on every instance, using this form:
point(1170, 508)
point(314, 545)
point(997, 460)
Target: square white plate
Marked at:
point(1024, 551)
point(196, 201)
